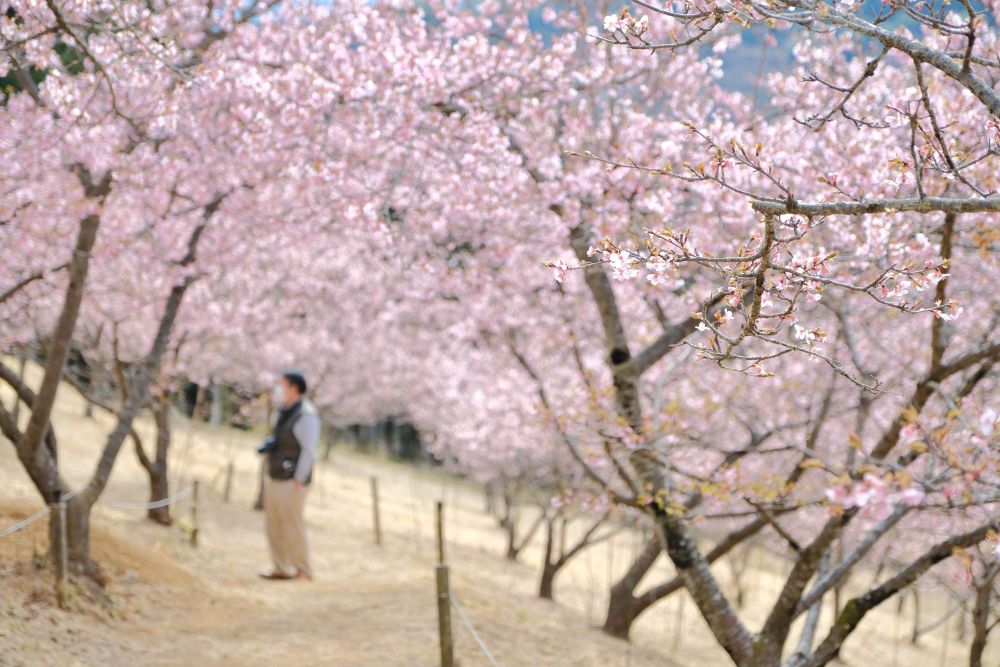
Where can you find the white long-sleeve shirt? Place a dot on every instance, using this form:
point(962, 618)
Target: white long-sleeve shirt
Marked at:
point(306, 430)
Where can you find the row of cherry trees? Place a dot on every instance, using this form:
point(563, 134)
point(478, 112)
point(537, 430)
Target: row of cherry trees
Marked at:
point(768, 322)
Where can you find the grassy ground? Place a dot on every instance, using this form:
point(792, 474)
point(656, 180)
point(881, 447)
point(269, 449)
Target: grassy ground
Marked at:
point(171, 604)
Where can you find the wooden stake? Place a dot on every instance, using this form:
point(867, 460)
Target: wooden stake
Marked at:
point(440, 532)
point(229, 481)
point(62, 561)
point(443, 594)
point(444, 615)
point(194, 514)
point(376, 520)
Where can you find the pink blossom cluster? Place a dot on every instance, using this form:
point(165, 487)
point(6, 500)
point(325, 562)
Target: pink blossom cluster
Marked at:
point(875, 497)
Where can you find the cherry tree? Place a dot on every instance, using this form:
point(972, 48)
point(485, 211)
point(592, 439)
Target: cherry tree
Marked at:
point(93, 124)
point(802, 255)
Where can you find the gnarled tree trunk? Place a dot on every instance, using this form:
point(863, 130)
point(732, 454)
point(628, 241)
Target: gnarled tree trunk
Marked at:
point(156, 468)
point(623, 605)
point(547, 581)
point(981, 615)
point(556, 558)
point(551, 564)
point(508, 521)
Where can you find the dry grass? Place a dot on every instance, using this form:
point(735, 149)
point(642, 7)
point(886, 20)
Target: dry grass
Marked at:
point(169, 604)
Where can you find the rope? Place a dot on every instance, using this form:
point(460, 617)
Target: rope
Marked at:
point(149, 506)
point(472, 630)
point(24, 523)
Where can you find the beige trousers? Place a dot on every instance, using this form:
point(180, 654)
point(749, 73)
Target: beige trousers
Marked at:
point(284, 503)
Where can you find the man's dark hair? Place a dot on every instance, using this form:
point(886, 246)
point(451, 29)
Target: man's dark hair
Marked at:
point(296, 379)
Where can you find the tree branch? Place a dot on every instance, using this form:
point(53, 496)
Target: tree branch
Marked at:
point(856, 608)
point(24, 282)
point(915, 205)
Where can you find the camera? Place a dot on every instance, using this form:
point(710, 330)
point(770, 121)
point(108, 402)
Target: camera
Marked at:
point(267, 445)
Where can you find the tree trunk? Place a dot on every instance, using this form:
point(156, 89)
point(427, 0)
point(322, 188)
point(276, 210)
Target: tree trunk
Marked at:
point(549, 565)
point(549, 571)
point(40, 464)
point(555, 562)
point(508, 522)
point(78, 534)
point(621, 612)
point(622, 602)
point(514, 545)
point(156, 468)
point(650, 474)
point(980, 616)
point(77, 539)
point(159, 488)
point(217, 398)
point(512, 550)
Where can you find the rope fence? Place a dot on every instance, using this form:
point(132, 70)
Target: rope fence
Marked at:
point(150, 506)
point(24, 523)
point(446, 601)
point(472, 630)
point(61, 561)
point(42, 513)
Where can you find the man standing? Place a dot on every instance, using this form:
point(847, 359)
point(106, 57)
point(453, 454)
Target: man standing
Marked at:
point(290, 452)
